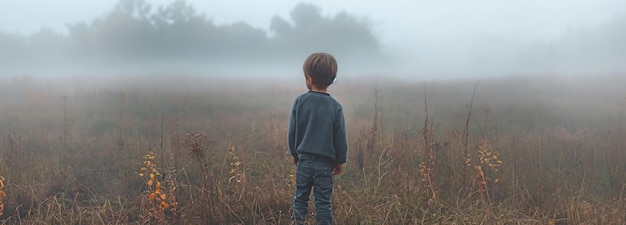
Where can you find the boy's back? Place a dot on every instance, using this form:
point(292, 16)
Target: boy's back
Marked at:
point(319, 127)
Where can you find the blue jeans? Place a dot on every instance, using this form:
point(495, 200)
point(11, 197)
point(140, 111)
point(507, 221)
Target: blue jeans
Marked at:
point(313, 172)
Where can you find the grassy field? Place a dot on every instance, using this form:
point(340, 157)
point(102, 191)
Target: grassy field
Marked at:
point(514, 150)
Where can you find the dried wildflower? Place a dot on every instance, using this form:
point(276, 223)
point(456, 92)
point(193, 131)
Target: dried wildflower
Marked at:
point(3, 195)
point(480, 181)
point(196, 144)
point(154, 189)
point(489, 163)
point(292, 177)
point(235, 163)
point(487, 157)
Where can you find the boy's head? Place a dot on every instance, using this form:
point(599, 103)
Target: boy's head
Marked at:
point(321, 69)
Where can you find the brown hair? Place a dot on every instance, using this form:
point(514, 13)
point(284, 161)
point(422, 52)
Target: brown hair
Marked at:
point(322, 68)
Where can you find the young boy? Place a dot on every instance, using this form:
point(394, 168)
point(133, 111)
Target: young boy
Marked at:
point(317, 139)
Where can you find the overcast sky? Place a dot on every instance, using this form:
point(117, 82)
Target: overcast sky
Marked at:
point(528, 19)
point(402, 26)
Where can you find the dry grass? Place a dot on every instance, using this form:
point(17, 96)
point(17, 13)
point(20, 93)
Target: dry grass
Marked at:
point(530, 152)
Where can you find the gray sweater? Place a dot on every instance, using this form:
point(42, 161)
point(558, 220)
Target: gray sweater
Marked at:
point(317, 126)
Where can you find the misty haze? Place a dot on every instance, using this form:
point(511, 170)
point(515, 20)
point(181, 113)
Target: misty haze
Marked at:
point(136, 36)
point(176, 112)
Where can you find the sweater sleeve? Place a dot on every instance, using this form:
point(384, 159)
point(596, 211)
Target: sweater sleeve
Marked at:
point(340, 138)
point(291, 133)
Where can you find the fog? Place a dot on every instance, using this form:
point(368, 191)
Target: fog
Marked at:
point(417, 39)
point(480, 111)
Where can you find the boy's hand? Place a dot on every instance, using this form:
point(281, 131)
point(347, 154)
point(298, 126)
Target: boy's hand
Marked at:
point(295, 160)
point(337, 169)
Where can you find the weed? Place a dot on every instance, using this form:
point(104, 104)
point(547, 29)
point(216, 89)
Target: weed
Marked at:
point(156, 201)
point(235, 172)
point(3, 195)
point(427, 166)
point(196, 144)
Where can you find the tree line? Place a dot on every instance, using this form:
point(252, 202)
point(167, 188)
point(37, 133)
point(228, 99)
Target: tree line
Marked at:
point(136, 30)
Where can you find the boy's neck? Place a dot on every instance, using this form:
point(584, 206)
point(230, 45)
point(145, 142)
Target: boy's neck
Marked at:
point(324, 90)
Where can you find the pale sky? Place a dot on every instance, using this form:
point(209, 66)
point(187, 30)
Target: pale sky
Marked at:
point(393, 20)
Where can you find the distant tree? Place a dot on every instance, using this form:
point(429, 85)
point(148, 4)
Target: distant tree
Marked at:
point(139, 9)
point(181, 31)
point(81, 40)
point(178, 12)
point(306, 15)
point(280, 27)
point(581, 49)
point(133, 30)
point(242, 40)
point(47, 44)
point(342, 34)
point(126, 32)
point(14, 48)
